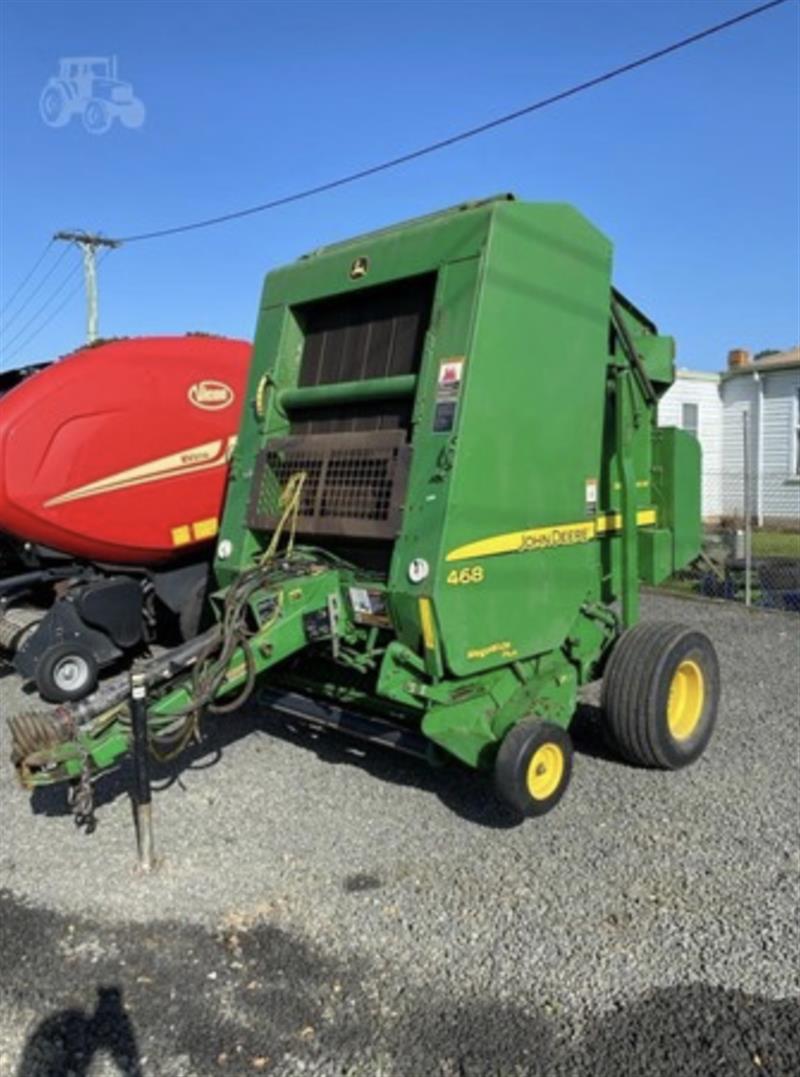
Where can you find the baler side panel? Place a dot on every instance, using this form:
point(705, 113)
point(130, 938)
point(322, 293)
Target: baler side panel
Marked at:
point(529, 438)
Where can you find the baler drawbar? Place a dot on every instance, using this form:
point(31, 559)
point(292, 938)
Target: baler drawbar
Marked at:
point(448, 487)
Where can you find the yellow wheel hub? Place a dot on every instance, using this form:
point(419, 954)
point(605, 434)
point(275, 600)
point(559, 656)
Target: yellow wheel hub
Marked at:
point(687, 694)
point(545, 771)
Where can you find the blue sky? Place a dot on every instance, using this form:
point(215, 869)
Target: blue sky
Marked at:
point(690, 165)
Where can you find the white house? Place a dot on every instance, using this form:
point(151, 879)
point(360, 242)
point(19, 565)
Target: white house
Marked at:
point(755, 401)
point(693, 403)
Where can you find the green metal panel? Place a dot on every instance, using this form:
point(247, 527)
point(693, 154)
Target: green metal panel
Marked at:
point(656, 560)
point(676, 486)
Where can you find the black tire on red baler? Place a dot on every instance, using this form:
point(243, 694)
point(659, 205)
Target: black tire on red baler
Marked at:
point(47, 673)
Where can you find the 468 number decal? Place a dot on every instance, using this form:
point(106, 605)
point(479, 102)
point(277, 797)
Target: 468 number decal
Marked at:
point(473, 574)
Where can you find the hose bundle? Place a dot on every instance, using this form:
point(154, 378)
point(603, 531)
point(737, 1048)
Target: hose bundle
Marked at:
point(212, 668)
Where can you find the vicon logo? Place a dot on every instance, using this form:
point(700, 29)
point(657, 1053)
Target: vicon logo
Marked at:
point(211, 395)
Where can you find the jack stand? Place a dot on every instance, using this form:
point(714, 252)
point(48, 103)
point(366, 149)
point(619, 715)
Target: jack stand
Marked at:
point(142, 806)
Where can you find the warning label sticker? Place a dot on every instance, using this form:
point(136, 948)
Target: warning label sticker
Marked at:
point(450, 375)
point(448, 387)
point(369, 607)
point(591, 497)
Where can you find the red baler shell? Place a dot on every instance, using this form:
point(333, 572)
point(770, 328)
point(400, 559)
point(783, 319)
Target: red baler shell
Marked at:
point(119, 452)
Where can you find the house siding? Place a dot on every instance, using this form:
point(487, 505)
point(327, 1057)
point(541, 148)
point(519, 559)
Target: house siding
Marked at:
point(739, 398)
point(771, 401)
point(703, 390)
point(781, 496)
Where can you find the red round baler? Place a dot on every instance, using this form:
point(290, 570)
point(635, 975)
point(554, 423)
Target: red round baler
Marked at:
point(113, 466)
point(118, 452)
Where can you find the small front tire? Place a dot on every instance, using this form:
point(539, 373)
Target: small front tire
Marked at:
point(533, 766)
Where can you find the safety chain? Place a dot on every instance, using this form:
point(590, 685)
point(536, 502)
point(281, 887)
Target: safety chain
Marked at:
point(80, 799)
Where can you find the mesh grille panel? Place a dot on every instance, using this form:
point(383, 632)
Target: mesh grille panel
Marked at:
point(355, 483)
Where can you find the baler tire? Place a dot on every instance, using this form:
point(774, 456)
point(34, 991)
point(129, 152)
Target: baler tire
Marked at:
point(661, 694)
point(533, 766)
point(47, 673)
point(190, 618)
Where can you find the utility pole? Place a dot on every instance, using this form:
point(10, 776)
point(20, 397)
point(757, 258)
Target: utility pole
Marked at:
point(88, 245)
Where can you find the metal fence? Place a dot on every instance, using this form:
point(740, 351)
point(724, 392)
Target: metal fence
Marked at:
point(751, 551)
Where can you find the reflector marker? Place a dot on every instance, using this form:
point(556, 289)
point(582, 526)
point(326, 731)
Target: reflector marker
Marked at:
point(426, 620)
point(196, 532)
point(181, 535)
point(204, 529)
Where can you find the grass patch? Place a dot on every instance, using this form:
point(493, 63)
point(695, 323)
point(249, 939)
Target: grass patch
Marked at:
point(776, 544)
point(680, 584)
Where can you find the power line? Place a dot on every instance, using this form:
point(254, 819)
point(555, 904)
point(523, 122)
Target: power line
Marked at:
point(25, 279)
point(53, 295)
point(37, 289)
point(462, 136)
point(74, 291)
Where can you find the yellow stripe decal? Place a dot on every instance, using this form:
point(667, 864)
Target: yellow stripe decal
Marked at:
point(426, 620)
point(613, 521)
point(545, 538)
point(198, 458)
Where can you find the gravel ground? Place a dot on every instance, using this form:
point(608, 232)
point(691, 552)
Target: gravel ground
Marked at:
point(322, 909)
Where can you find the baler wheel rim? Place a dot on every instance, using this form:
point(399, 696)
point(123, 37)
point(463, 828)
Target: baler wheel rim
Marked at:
point(545, 771)
point(687, 692)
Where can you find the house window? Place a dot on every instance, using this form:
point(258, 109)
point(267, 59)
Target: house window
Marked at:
point(796, 468)
point(690, 418)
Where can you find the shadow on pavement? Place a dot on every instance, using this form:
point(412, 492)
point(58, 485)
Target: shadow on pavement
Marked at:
point(278, 1002)
point(69, 1041)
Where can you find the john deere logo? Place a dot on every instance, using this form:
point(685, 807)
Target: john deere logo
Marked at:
point(211, 395)
point(359, 267)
